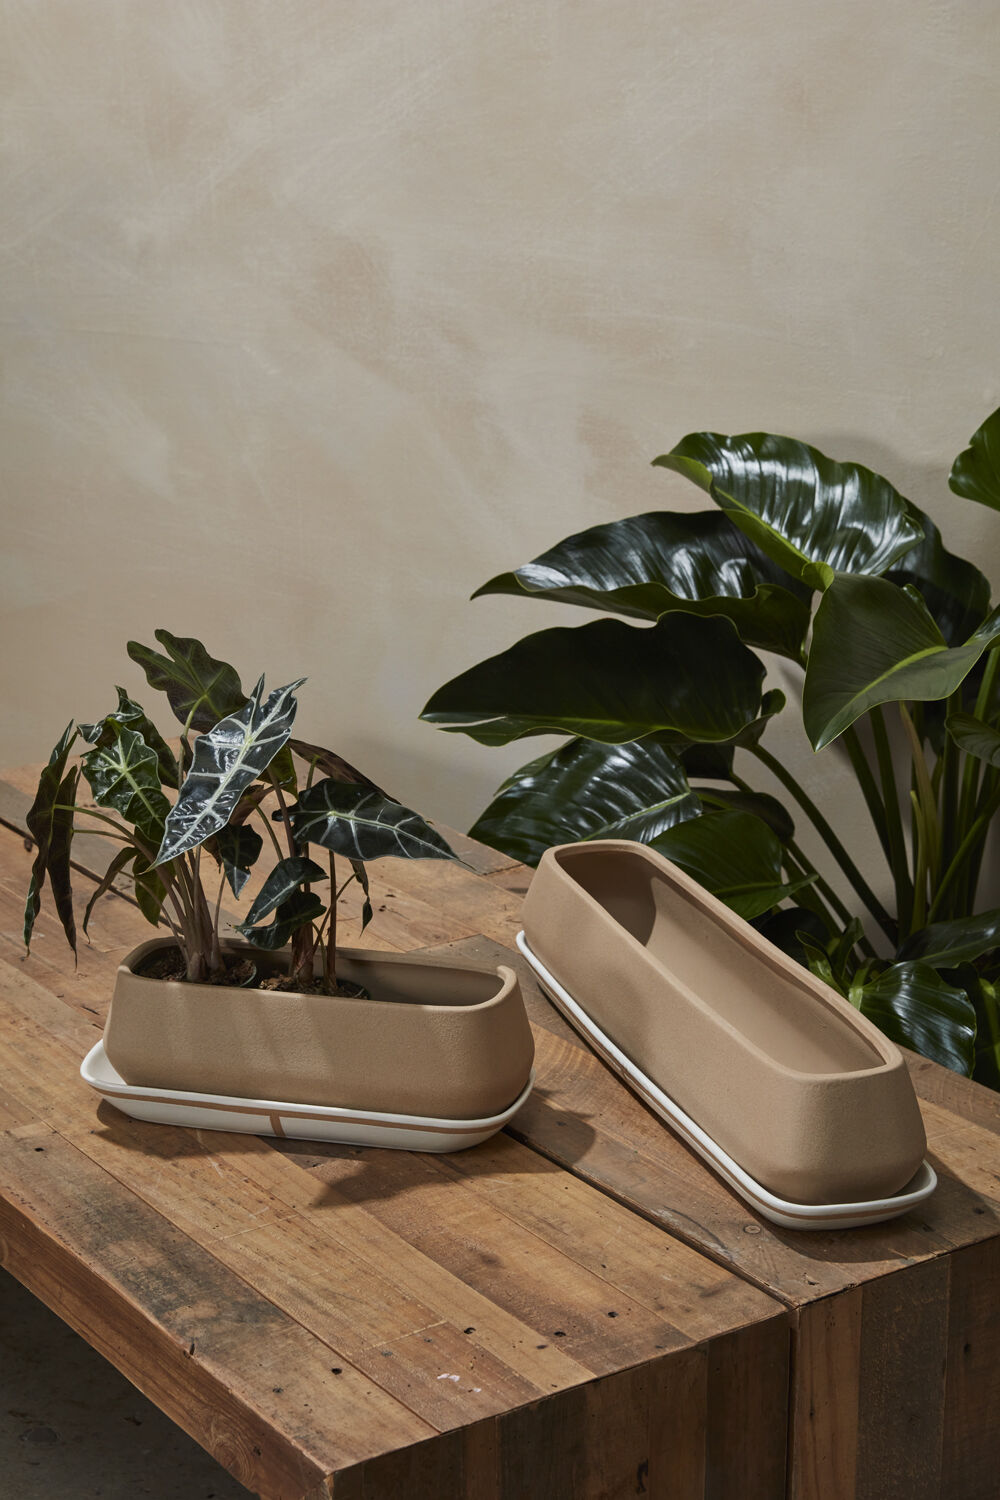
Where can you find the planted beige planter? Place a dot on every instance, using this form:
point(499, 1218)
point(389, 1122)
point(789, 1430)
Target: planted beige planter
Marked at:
point(763, 1068)
point(437, 1057)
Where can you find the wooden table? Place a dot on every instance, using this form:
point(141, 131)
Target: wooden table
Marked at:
point(576, 1309)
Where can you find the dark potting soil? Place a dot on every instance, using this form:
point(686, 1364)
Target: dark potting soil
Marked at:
point(239, 972)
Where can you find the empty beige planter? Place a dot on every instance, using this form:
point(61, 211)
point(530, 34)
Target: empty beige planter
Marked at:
point(437, 1044)
point(781, 1074)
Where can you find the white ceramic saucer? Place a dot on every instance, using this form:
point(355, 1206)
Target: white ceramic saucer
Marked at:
point(780, 1211)
point(307, 1122)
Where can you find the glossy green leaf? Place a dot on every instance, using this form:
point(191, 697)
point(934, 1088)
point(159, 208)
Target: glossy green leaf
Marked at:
point(287, 876)
point(300, 908)
point(608, 681)
point(133, 716)
point(714, 761)
point(761, 804)
point(813, 516)
point(237, 848)
point(975, 738)
point(645, 566)
point(914, 1006)
point(122, 858)
point(787, 927)
point(150, 891)
point(227, 758)
point(875, 643)
point(818, 960)
point(362, 825)
point(52, 831)
point(943, 945)
point(976, 471)
point(200, 689)
point(586, 790)
point(735, 856)
point(985, 994)
point(124, 774)
point(954, 590)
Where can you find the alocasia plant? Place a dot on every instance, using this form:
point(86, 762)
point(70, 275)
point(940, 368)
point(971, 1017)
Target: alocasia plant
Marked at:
point(665, 718)
point(164, 810)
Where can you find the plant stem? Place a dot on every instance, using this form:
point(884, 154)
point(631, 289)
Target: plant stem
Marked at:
point(869, 789)
point(976, 833)
point(330, 954)
point(898, 861)
point(831, 840)
point(270, 830)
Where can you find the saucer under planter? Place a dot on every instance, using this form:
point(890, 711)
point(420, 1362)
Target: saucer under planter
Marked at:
point(795, 1098)
point(438, 1046)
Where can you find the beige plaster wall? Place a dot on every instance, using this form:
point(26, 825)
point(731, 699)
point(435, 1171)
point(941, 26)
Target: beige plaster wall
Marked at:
point(318, 314)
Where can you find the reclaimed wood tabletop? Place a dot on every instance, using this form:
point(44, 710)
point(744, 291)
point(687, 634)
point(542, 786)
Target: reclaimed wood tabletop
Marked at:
point(502, 1266)
point(360, 1323)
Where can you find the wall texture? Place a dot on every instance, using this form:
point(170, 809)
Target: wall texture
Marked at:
point(318, 314)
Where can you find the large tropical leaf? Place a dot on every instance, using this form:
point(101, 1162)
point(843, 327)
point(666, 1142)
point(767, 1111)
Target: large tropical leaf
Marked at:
point(124, 774)
point(299, 908)
point(788, 926)
point(52, 831)
point(588, 791)
point(945, 945)
point(735, 856)
point(360, 824)
point(954, 590)
point(200, 689)
point(976, 471)
point(914, 1006)
point(645, 566)
point(133, 716)
point(761, 804)
point(334, 765)
point(288, 875)
point(975, 738)
point(813, 516)
point(985, 995)
point(875, 643)
point(237, 848)
point(227, 759)
point(713, 761)
point(608, 681)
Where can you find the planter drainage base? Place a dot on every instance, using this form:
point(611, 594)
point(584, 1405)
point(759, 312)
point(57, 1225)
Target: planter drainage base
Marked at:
point(781, 1211)
point(351, 1127)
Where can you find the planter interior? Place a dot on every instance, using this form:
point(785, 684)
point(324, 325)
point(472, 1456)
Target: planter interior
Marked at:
point(777, 1068)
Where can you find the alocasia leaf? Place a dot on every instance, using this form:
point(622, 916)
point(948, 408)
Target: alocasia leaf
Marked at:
point(362, 825)
point(133, 716)
point(237, 848)
point(122, 858)
point(647, 565)
point(609, 681)
point(813, 516)
point(287, 876)
point(123, 772)
point(227, 758)
point(586, 790)
point(200, 689)
point(875, 643)
point(52, 831)
point(334, 765)
point(150, 891)
point(299, 908)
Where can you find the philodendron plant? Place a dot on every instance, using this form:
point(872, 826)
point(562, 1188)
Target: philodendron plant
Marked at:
point(828, 566)
point(235, 767)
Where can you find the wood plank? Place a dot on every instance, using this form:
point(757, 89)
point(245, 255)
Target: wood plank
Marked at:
point(237, 1373)
point(970, 1456)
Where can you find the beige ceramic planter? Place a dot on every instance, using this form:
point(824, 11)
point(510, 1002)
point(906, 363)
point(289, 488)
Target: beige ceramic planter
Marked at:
point(436, 1040)
point(774, 1067)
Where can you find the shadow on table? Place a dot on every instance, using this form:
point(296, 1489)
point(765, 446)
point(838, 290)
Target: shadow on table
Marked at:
point(358, 1173)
